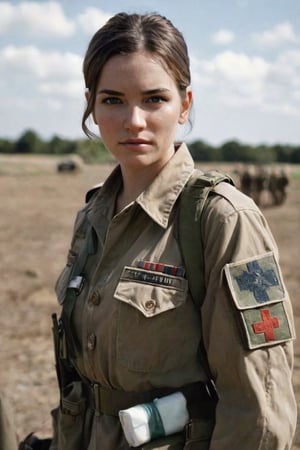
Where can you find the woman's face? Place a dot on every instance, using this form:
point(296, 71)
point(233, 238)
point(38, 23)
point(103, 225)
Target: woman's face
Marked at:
point(137, 110)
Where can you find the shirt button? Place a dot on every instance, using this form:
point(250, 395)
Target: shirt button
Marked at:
point(91, 342)
point(95, 298)
point(150, 305)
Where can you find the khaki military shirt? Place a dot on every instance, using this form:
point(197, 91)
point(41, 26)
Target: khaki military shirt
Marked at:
point(138, 328)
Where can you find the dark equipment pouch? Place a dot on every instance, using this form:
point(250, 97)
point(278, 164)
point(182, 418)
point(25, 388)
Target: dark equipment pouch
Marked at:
point(172, 442)
point(72, 421)
point(73, 418)
point(198, 434)
point(32, 442)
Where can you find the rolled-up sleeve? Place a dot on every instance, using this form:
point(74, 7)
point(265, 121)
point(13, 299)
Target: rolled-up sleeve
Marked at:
point(251, 366)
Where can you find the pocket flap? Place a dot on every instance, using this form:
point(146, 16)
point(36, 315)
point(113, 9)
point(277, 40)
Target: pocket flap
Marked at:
point(150, 292)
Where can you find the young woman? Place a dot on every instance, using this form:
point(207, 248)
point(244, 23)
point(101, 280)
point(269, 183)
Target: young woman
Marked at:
point(130, 331)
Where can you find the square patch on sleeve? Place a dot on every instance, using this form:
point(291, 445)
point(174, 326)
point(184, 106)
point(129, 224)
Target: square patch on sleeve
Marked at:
point(266, 325)
point(258, 293)
point(255, 282)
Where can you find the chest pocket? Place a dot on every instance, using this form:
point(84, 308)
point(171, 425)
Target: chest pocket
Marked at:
point(157, 328)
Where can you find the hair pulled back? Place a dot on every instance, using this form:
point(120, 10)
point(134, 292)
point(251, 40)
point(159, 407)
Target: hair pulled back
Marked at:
point(128, 33)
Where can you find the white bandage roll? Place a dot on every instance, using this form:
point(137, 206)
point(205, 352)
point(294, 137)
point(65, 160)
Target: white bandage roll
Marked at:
point(173, 412)
point(146, 422)
point(135, 425)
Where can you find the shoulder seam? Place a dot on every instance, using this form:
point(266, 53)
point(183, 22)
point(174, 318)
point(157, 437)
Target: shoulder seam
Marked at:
point(233, 207)
point(226, 190)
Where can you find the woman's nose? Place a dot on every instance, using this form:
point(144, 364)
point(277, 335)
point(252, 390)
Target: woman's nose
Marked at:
point(135, 118)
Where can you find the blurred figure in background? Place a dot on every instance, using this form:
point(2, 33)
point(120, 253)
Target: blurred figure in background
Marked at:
point(278, 183)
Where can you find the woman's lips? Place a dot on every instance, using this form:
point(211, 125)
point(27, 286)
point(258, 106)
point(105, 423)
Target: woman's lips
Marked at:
point(135, 142)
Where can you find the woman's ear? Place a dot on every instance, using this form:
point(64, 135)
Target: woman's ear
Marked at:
point(185, 106)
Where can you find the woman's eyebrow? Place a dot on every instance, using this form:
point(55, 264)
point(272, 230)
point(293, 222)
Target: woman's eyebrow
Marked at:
point(110, 92)
point(147, 92)
point(155, 91)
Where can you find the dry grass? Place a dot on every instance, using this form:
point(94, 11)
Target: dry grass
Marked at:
point(38, 206)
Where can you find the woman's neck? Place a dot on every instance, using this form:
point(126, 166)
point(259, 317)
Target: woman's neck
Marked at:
point(136, 180)
point(133, 186)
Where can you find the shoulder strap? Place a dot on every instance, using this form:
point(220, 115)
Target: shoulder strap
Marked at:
point(192, 202)
point(88, 248)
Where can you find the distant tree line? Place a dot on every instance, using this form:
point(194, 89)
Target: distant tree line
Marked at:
point(31, 143)
point(94, 151)
point(235, 151)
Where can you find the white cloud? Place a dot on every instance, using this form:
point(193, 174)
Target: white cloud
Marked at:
point(40, 64)
point(6, 16)
point(223, 37)
point(44, 89)
point(283, 83)
point(48, 19)
point(91, 20)
point(279, 34)
point(71, 88)
point(35, 18)
point(47, 81)
point(239, 80)
point(235, 76)
point(285, 71)
point(290, 58)
point(239, 66)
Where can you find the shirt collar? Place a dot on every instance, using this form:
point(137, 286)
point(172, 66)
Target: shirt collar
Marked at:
point(158, 199)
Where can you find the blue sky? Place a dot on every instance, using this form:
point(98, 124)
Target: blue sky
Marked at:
point(245, 61)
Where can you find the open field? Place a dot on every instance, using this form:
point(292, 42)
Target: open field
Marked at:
point(38, 207)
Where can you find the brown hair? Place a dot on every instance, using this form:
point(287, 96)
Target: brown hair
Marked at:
point(127, 33)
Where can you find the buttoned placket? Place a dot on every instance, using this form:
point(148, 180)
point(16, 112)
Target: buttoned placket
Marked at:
point(101, 277)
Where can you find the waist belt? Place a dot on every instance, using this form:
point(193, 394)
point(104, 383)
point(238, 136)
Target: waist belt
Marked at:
point(111, 401)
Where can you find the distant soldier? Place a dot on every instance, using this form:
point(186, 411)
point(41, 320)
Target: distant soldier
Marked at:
point(282, 184)
point(259, 183)
point(246, 181)
point(8, 438)
point(277, 185)
point(273, 185)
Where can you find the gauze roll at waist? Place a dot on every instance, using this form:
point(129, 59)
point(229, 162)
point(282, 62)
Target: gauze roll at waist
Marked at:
point(148, 421)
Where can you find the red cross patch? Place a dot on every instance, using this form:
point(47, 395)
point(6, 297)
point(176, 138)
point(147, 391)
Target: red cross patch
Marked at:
point(267, 325)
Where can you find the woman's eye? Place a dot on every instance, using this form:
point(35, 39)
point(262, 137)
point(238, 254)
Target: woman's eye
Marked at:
point(155, 99)
point(111, 101)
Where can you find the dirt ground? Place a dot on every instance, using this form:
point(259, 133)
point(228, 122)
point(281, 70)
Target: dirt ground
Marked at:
point(38, 206)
